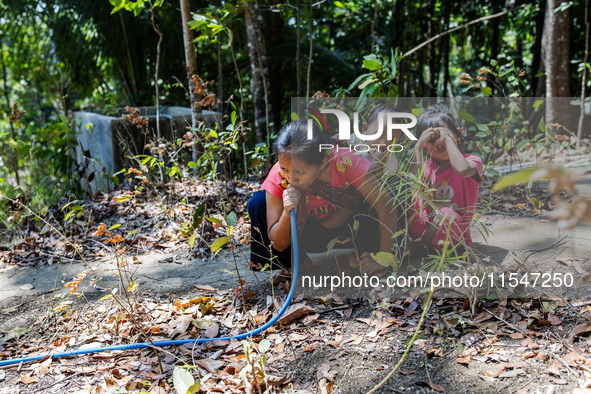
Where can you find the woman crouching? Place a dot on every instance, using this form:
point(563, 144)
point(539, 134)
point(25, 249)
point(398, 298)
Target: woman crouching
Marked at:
point(334, 195)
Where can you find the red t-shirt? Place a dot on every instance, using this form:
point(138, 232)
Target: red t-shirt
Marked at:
point(346, 168)
point(460, 194)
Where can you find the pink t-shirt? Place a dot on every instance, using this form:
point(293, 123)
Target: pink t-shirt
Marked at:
point(346, 169)
point(453, 191)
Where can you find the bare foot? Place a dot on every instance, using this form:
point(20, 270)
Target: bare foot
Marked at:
point(353, 262)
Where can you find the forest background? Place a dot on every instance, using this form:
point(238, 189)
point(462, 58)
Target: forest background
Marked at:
point(66, 55)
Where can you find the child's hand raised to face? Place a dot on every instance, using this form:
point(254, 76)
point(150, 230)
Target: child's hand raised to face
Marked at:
point(428, 138)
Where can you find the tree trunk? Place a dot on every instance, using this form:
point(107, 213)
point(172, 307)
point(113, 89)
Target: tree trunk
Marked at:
point(433, 69)
point(538, 78)
point(259, 74)
point(494, 41)
point(8, 109)
point(398, 38)
point(276, 65)
point(220, 77)
point(373, 28)
point(555, 47)
point(311, 54)
point(584, 79)
point(191, 66)
point(445, 47)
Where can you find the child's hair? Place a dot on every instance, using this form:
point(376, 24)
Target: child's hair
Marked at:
point(433, 116)
point(375, 111)
point(293, 140)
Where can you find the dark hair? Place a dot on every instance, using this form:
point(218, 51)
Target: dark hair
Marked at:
point(433, 116)
point(375, 111)
point(293, 140)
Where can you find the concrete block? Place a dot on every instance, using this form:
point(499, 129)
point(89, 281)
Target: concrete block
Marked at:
point(108, 142)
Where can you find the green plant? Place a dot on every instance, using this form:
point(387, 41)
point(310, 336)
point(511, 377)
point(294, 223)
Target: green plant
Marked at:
point(253, 373)
point(379, 81)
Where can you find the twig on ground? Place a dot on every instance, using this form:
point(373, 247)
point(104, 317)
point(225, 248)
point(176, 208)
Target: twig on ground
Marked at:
point(56, 382)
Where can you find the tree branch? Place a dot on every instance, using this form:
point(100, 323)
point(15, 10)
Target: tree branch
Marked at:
point(484, 18)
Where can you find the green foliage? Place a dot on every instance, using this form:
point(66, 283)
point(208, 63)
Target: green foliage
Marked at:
point(379, 82)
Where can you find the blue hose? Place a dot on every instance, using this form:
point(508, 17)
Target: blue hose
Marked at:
point(143, 345)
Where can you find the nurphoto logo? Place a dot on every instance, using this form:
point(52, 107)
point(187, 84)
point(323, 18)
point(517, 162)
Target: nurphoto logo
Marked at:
point(393, 121)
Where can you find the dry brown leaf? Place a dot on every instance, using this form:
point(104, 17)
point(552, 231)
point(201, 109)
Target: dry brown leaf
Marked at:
point(513, 373)
point(411, 309)
point(530, 344)
point(295, 337)
point(210, 365)
point(325, 386)
point(579, 330)
point(558, 381)
point(493, 374)
point(212, 330)
point(408, 372)
point(481, 317)
point(202, 323)
point(180, 326)
point(516, 335)
point(463, 360)
point(543, 357)
point(553, 368)
point(294, 312)
point(434, 386)
point(504, 367)
point(573, 359)
point(554, 319)
point(279, 348)
point(435, 351)
point(321, 371)
point(277, 381)
point(204, 287)
point(26, 379)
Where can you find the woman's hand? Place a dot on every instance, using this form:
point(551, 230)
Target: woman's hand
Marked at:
point(291, 198)
point(367, 265)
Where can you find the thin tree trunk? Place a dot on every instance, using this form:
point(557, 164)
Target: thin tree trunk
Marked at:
point(258, 71)
point(311, 27)
point(298, 49)
point(191, 66)
point(276, 77)
point(537, 81)
point(12, 132)
point(494, 42)
point(433, 73)
point(156, 74)
point(373, 28)
point(398, 38)
point(129, 58)
point(584, 79)
point(220, 78)
point(446, 47)
point(555, 46)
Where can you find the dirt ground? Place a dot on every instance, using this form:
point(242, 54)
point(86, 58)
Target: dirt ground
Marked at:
point(349, 345)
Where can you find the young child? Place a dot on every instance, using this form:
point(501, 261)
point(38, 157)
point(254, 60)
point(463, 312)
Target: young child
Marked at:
point(455, 176)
